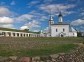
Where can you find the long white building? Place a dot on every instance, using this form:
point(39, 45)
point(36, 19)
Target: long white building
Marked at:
point(6, 32)
point(60, 29)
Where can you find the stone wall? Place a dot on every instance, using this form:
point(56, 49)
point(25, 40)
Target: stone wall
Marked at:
point(75, 56)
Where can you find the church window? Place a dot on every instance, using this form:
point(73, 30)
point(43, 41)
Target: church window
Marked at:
point(56, 30)
point(63, 29)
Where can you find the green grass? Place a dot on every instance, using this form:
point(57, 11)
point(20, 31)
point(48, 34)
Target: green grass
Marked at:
point(39, 52)
point(36, 46)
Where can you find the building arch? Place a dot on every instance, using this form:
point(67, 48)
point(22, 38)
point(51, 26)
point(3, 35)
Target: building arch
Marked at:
point(62, 34)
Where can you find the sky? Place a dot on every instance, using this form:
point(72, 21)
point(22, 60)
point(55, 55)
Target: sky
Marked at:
point(35, 14)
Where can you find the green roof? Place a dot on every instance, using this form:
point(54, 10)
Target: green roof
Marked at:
point(16, 30)
point(9, 29)
point(34, 32)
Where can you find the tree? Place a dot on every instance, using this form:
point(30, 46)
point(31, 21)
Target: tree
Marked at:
point(79, 34)
point(26, 30)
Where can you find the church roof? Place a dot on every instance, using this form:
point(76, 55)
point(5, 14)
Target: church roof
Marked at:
point(72, 29)
point(61, 24)
point(60, 14)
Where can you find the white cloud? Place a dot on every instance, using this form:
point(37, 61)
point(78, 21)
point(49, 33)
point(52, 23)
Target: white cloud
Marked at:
point(33, 15)
point(12, 3)
point(36, 13)
point(36, 30)
point(5, 11)
point(48, 1)
point(24, 27)
point(24, 17)
point(44, 18)
point(33, 3)
point(46, 30)
point(39, 16)
point(7, 26)
point(6, 20)
point(33, 25)
point(77, 22)
point(55, 8)
point(82, 13)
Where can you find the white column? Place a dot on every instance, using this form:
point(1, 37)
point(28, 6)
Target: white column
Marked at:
point(6, 34)
point(12, 34)
point(28, 34)
point(22, 34)
point(15, 34)
point(25, 35)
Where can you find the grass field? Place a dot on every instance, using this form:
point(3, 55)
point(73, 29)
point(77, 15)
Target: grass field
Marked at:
point(36, 46)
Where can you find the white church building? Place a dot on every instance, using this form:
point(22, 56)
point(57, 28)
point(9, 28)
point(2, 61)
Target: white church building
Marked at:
point(60, 29)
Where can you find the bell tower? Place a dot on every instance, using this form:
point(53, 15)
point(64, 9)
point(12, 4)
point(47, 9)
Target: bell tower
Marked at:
point(51, 21)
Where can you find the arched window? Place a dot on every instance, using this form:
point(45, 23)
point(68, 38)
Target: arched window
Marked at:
point(13, 34)
point(63, 29)
point(3, 33)
point(21, 34)
point(27, 35)
point(17, 34)
point(56, 30)
point(24, 35)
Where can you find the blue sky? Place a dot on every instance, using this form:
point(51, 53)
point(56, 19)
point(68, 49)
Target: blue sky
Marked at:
point(34, 14)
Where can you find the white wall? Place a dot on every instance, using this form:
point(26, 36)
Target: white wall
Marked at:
point(59, 30)
point(24, 34)
point(72, 34)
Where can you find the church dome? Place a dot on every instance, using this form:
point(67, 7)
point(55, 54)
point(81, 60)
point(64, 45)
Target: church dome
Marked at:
point(59, 15)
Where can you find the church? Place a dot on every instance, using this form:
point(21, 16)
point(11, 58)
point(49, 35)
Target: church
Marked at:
point(60, 29)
